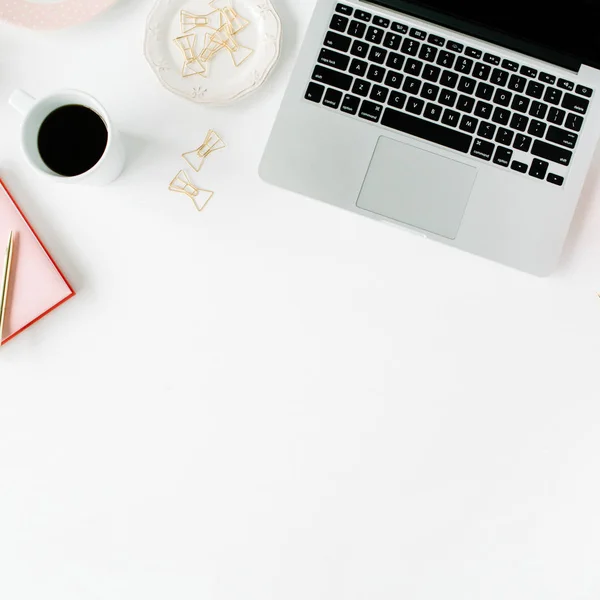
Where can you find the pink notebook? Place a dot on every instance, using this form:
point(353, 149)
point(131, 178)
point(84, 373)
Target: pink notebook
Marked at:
point(36, 284)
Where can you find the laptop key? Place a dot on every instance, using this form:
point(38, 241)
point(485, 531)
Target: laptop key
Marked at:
point(395, 61)
point(381, 22)
point(332, 78)
point(502, 97)
point(465, 103)
point(427, 130)
point(486, 130)
point(485, 91)
point(454, 46)
point(370, 111)
point(431, 73)
point(377, 55)
point(337, 41)
point(510, 65)
point(359, 67)
point(574, 122)
point(552, 96)
point(428, 52)
point(334, 59)
point(343, 8)
point(551, 152)
point(410, 47)
point(430, 92)
point(518, 166)
point(393, 79)
point(360, 49)
point(411, 85)
point(483, 149)
point(505, 136)
point(350, 104)
point(491, 58)
point(436, 40)
point(467, 85)
point(379, 93)
point(314, 92)
point(483, 110)
point(418, 33)
point(451, 118)
point(446, 59)
point(473, 52)
point(575, 103)
point(566, 85)
point(519, 122)
point(535, 89)
point(374, 35)
point(432, 111)
point(447, 98)
point(397, 100)
point(520, 103)
point(501, 116)
point(584, 91)
point(376, 73)
point(363, 15)
point(449, 79)
point(547, 78)
point(522, 142)
point(463, 65)
point(392, 40)
point(361, 87)
point(516, 83)
point(538, 168)
point(468, 124)
point(556, 116)
point(339, 23)
point(482, 71)
point(332, 98)
point(499, 77)
point(538, 109)
point(357, 29)
point(537, 128)
point(415, 106)
point(399, 27)
point(503, 156)
point(413, 67)
point(528, 72)
point(555, 179)
point(562, 137)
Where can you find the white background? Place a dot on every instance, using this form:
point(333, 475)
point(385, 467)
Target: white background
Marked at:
point(273, 398)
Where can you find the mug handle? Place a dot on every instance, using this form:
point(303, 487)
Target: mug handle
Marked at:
point(21, 101)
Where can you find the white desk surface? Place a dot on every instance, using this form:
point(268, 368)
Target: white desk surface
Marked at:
point(274, 399)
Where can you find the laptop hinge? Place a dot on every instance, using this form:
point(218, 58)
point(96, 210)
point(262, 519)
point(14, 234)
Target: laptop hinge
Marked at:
point(480, 31)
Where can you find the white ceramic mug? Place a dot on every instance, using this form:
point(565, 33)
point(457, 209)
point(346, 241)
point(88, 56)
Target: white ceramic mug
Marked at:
point(110, 165)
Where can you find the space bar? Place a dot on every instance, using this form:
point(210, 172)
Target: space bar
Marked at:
point(426, 130)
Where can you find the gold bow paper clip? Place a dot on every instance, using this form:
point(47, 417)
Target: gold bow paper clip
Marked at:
point(229, 15)
point(211, 47)
point(182, 184)
point(190, 21)
point(224, 37)
point(212, 143)
point(191, 65)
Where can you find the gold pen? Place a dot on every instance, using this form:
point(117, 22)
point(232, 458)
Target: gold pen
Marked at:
point(5, 282)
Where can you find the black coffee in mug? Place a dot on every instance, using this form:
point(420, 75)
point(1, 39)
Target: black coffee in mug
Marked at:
point(72, 139)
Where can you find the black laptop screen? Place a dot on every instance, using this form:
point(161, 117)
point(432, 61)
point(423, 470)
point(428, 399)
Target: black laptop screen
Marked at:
point(570, 28)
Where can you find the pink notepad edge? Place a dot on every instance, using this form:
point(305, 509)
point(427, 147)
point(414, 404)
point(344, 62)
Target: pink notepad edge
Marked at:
point(49, 310)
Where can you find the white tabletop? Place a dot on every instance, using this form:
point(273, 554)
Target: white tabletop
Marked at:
point(273, 398)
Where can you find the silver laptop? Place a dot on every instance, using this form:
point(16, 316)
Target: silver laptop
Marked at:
point(470, 124)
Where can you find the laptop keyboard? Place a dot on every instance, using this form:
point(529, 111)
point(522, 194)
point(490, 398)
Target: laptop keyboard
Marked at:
point(459, 97)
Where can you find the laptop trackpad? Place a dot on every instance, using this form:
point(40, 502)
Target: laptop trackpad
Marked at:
point(417, 188)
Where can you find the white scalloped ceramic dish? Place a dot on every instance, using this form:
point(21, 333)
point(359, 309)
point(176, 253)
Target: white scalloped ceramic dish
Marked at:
point(224, 81)
point(51, 14)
